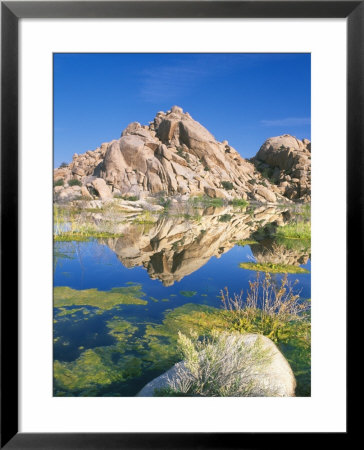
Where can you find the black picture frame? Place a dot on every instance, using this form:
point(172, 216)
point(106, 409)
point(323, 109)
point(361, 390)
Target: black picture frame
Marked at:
point(11, 12)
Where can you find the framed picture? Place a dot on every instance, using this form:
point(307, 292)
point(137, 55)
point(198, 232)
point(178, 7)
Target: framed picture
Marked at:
point(137, 233)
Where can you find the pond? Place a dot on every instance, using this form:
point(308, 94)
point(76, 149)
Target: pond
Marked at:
point(119, 301)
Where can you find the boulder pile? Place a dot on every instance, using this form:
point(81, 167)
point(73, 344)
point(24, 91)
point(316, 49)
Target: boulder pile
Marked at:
point(286, 161)
point(176, 156)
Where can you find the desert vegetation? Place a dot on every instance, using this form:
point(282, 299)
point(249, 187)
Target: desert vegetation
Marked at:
point(217, 362)
point(221, 365)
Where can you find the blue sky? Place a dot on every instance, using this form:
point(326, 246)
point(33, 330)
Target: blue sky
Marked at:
point(243, 98)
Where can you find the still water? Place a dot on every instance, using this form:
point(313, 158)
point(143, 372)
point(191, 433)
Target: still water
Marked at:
point(119, 302)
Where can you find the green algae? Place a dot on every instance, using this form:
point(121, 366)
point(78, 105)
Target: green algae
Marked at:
point(95, 368)
point(293, 337)
point(161, 339)
point(188, 293)
point(104, 300)
point(71, 312)
point(273, 268)
point(165, 300)
point(120, 329)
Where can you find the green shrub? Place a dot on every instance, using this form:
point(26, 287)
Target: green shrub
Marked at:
point(165, 202)
point(207, 168)
point(267, 173)
point(74, 182)
point(225, 218)
point(222, 365)
point(183, 154)
point(238, 202)
point(63, 164)
point(59, 182)
point(228, 185)
point(268, 308)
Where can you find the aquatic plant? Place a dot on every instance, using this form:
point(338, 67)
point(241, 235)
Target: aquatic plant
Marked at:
point(222, 365)
point(272, 267)
point(161, 339)
point(94, 368)
point(120, 329)
point(84, 235)
point(74, 224)
point(66, 296)
point(66, 312)
point(244, 242)
point(296, 230)
point(146, 218)
point(188, 293)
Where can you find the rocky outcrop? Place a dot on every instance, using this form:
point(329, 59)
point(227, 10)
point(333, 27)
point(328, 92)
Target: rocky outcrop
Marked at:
point(174, 155)
point(286, 161)
point(274, 378)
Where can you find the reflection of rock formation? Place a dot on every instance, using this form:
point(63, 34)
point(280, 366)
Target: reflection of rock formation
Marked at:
point(268, 251)
point(175, 247)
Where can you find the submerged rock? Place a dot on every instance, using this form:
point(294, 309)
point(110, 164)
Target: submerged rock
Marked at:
point(273, 378)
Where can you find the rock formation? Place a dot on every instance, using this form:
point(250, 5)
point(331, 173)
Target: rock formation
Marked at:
point(269, 252)
point(272, 379)
point(174, 247)
point(286, 161)
point(175, 155)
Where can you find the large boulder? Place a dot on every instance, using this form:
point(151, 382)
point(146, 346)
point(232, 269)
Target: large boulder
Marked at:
point(286, 160)
point(270, 378)
point(266, 194)
point(102, 188)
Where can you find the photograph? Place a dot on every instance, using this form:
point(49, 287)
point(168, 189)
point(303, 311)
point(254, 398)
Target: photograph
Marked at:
point(181, 224)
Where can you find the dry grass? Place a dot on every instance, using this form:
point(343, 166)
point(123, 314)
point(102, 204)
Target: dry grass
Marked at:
point(267, 308)
point(224, 365)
